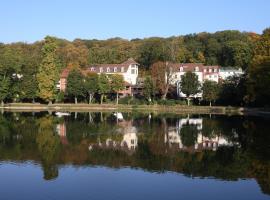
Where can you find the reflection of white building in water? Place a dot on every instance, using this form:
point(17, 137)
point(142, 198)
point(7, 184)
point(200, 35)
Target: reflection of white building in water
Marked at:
point(129, 141)
point(173, 137)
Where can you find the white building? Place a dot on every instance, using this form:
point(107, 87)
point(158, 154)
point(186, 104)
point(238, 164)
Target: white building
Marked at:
point(203, 73)
point(128, 69)
point(201, 143)
point(226, 72)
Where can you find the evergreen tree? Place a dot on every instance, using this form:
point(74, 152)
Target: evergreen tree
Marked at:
point(47, 75)
point(28, 83)
point(189, 84)
point(117, 84)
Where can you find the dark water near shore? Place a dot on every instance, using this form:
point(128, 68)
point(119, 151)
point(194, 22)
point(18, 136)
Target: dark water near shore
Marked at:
point(139, 156)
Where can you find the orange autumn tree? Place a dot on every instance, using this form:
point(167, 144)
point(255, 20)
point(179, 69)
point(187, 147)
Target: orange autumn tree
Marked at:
point(162, 76)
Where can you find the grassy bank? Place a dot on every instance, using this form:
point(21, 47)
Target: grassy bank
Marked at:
point(120, 107)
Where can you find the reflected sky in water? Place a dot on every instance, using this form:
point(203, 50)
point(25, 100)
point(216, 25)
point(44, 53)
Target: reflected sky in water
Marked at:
point(137, 156)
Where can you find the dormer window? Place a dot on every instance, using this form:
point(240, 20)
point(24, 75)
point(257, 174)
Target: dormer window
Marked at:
point(205, 70)
point(101, 69)
point(108, 69)
point(210, 70)
point(196, 69)
point(215, 70)
point(115, 69)
point(122, 69)
point(181, 69)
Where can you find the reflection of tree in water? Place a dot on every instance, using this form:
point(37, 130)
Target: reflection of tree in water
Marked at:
point(4, 129)
point(189, 134)
point(33, 138)
point(48, 146)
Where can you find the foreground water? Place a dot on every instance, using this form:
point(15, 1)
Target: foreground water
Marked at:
point(133, 156)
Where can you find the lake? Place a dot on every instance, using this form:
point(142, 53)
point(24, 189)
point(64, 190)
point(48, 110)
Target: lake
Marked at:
point(133, 156)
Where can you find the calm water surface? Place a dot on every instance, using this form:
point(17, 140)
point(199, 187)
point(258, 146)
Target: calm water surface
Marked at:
point(133, 156)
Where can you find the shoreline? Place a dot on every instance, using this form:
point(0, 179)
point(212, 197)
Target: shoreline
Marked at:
point(177, 109)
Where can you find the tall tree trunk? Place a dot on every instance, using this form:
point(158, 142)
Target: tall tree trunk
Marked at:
point(164, 96)
point(76, 100)
point(90, 117)
point(90, 98)
point(101, 98)
point(50, 102)
point(210, 104)
point(101, 116)
point(188, 101)
point(33, 100)
point(76, 115)
point(2, 103)
point(117, 98)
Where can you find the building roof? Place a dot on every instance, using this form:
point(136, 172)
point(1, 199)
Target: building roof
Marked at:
point(113, 68)
point(65, 73)
point(186, 66)
point(232, 69)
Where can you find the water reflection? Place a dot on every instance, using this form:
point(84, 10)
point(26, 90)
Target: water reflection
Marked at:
point(227, 148)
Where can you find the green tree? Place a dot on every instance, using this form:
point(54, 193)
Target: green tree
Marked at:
point(210, 91)
point(47, 75)
point(189, 134)
point(48, 146)
point(75, 84)
point(237, 53)
point(4, 88)
point(189, 84)
point(28, 84)
point(148, 90)
point(117, 84)
point(91, 85)
point(103, 86)
point(258, 86)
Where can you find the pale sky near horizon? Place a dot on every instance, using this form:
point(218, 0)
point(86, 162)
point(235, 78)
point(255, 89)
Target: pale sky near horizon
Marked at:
point(32, 20)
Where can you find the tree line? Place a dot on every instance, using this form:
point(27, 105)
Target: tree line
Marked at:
point(30, 72)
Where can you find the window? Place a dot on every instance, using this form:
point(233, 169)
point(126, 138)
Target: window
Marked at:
point(215, 70)
point(115, 69)
point(122, 69)
point(204, 70)
point(108, 69)
point(196, 69)
point(181, 69)
point(101, 69)
point(175, 76)
point(132, 71)
point(210, 70)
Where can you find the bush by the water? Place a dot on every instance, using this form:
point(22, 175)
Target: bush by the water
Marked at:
point(171, 102)
point(132, 101)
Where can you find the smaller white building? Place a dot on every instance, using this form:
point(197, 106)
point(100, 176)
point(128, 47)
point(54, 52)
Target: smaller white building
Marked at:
point(203, 73)
point(226, 72)
point(128, 69)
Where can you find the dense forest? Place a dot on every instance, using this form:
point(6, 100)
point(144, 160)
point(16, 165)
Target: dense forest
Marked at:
point(247, 50)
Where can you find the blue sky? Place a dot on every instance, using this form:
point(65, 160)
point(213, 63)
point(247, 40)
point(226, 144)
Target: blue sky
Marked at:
point(32, 20)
